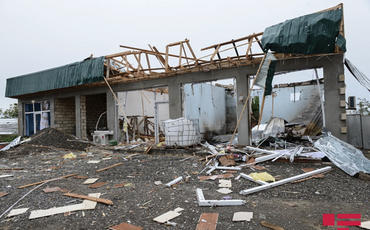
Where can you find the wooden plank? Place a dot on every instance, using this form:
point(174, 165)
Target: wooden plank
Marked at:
point(109, 167)
point(96, 199)
point(214, 177)
point(125, 226)
point(234, 40)
point(207, 221)
point(40, 182)
point(3, 194)
point(271, 226)
point(97, 184)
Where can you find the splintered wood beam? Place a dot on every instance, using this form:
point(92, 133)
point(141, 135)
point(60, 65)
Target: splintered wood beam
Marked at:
point(191, 51)
point(100, 200)
point(109, 167)
point(181, 48)
point(259, 42)
point(148, 62)
point(249, 48)
point(234, 40)
point(215, 52)
point(40, 182)
point(187, 61)
point(138, 59)
point(159, 56)
point(166, 60)
point(236, 49)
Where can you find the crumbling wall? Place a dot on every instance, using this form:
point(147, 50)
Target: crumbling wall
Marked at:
point(231, 117)
point(65, 115)
point(95, 106)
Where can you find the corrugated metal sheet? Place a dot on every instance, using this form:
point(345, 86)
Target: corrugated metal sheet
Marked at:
point(74, 74)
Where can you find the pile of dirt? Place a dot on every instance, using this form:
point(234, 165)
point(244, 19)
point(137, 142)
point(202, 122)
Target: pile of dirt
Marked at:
point(53, 138)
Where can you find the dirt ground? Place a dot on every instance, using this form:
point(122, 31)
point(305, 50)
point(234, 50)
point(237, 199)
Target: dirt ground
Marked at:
point(297, 206)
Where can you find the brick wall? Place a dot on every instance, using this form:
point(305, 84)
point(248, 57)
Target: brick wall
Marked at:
point(95, 105)
point(64, 112)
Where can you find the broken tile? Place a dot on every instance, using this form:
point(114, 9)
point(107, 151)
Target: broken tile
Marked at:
point(125, 226)
point(81, 177)
point(97, 185)
point(51, 189)
point(90, 181)
point(224, 183)
point(242, 216)
point(226, 161)
point(224, 190)
point(207, 221)
point(168, 216)
point(3, 194)
point(119, 185)
point(18, 211)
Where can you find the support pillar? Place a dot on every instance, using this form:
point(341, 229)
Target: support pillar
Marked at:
point(175, 99)
point(78, 115)
point(242, 88)
point(112, 115)
point(334, 95)
point(20, 118)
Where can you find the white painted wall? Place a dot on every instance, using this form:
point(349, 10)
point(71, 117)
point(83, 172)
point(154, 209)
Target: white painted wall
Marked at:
point(206, 103)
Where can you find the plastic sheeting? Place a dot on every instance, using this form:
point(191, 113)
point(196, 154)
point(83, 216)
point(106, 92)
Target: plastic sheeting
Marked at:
point(266, 74)
point(343, 155)
point(309, 34)
point(78, 73)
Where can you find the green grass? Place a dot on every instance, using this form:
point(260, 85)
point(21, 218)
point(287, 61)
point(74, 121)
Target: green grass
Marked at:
point(7, 138)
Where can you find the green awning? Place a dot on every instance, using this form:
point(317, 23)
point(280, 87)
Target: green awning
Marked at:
point(74, 74)
point(310, 34)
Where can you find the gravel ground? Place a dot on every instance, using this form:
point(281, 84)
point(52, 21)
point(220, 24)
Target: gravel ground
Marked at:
point(297, 206)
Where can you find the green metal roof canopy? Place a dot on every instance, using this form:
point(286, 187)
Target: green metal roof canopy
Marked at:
point(74, 74)
point(315, 33)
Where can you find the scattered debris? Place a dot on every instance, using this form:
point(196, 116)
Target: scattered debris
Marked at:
point(207, 221)
point(147, 150)
point(93, 161)
point(119, 185)
point(109, 167)
point(125, 226)
point(85, 205)
point(16, 212)
point(89, 197)
point(45, 181)
point(284, 181)
point(343, 155)
point(5, 175)
point(90, 181)
point(81, 177)
point(224, 183)
point(158, 182)
point(203, 202)
point(271, 226)
point(242, 216)
point(52, 189)
point(226, 161)
point(168, 215)
point(97, 184)
point(214, 177)
point(3, 194)
point(13, 143)
point(175, 181)
point(245, 176)
point(263, 176)
point(224, 190)
point(69, 156)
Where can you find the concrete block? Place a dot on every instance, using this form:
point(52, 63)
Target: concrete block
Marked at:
point(341, 78)
point(342, 103)
point(342, 90)
point(343, 130)
point(343, 116)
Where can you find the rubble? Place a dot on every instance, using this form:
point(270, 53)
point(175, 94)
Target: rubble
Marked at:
point(207, 221)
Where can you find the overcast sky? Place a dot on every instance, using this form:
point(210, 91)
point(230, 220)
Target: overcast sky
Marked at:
point(36, 35)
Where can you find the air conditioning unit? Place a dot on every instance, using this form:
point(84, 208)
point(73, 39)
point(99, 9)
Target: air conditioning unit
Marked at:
point(102, 137)
point(352, 102)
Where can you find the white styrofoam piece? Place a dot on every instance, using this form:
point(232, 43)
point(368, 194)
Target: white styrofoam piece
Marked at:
point(85, 205)
point(242, 216)
point(224, 183)
point(90, 181)
point(365, 225)
point(175, 181)
point(18, 211)
point(5, 175)
point(93, 161)
point(210, 203)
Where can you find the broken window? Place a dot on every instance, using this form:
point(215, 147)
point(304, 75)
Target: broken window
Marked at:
point(37, 116)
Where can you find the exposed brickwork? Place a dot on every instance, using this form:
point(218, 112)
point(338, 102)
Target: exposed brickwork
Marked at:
point(65, 115)
point(95, 106)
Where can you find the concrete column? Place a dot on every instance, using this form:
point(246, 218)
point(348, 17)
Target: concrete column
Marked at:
point(335, 97)
point(112, 115)
point(52, 112)
point(174, 99)
point(242, 87)
point(78, 115)
point(20, 118)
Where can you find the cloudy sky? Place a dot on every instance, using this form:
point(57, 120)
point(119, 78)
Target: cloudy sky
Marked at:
point(41, 34)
